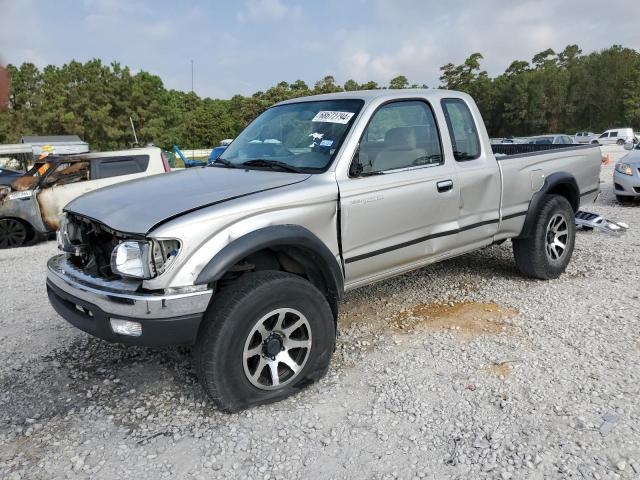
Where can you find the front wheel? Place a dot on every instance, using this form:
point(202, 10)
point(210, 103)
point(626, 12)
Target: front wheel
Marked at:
point(546, 252)
point(13, 233)
point(265, 337)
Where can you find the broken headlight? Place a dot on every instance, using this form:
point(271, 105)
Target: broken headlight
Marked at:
point(143, 259)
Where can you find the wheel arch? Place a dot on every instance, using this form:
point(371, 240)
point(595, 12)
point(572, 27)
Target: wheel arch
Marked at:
point(558, 183)
point(310, 258)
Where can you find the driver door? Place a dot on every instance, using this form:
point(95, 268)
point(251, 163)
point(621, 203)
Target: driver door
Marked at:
point(394, 211)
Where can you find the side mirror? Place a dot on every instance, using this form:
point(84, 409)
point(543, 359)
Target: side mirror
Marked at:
point(355, 169)
point(628, 146)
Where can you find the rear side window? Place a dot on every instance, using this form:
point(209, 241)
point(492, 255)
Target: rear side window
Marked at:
point(116, 166)
point(462, 129)
point(613, 134)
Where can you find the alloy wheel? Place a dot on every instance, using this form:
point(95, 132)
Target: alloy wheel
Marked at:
point(556, 237)
point(277, 348)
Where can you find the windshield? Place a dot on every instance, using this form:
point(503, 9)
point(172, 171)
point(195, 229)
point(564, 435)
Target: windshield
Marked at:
point(296, 137)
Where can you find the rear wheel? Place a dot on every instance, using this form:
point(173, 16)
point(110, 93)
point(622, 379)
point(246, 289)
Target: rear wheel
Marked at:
point(546, 252)
point(13, 233)
point(265, 337)
point(620, 141)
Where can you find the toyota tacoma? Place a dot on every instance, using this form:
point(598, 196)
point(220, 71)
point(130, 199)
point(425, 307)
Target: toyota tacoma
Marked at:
point(247, 259)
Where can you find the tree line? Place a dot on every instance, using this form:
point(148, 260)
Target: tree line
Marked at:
point(555, 92)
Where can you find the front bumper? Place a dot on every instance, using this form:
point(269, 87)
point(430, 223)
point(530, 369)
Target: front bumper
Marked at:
point(90, 305)
point(627, 184)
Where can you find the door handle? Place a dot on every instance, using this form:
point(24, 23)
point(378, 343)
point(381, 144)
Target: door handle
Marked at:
point(444, 185)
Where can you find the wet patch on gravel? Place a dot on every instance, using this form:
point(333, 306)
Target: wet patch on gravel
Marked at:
point(465, 319)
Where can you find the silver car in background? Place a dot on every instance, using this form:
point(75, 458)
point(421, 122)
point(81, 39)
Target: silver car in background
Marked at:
point(626, 174)
point(551, 139)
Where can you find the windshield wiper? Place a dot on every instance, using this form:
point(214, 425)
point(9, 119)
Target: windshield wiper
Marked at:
point(274, 164)
point(223, 161)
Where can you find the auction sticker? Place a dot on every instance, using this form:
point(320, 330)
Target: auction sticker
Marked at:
point(329, 116)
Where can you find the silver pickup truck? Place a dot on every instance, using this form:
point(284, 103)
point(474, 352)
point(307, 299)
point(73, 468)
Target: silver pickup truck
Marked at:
point(247, 259)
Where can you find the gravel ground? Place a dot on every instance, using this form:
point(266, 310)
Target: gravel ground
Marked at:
point(464, 369)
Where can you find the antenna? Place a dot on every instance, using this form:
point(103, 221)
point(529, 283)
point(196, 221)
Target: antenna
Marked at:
point(134, 130)
point(193, 152)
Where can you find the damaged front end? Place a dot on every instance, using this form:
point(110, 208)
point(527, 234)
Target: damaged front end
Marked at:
point(104, 253)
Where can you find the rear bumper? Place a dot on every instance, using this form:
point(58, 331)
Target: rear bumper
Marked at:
point(165, 319)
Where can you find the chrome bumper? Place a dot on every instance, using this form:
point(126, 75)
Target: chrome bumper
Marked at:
point(114, 299)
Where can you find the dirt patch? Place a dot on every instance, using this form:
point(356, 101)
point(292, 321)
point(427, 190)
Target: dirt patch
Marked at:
point(467, 319)
point(501, 370)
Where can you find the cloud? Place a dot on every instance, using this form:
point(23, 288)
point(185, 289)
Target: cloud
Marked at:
point(416, 37)
point(158, 31)
point(267, 10)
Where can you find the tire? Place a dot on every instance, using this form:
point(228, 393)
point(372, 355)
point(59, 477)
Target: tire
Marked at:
point(625, 199)
point(241, 333)
point(595, 142)
point(537, 255)
point(620, 141)
point(14, 233)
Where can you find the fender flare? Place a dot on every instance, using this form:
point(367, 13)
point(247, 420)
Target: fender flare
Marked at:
point(316, 252)
point(558, 181)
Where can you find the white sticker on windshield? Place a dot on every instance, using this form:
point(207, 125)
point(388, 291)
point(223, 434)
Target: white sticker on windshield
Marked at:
point(332, 117)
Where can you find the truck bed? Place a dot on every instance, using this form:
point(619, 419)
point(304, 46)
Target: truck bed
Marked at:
point(524, 173)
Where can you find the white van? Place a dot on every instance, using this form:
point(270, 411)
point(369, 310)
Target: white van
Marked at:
point(619, 136)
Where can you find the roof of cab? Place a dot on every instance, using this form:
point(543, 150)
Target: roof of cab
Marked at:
point(369, 95)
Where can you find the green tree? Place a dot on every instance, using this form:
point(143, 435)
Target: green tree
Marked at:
point(399, 82)
point(351, 85)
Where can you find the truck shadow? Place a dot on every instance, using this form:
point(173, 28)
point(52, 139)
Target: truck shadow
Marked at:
point(91, 372)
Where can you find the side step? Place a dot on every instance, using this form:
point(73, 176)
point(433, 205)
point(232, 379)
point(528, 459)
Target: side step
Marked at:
point(590, 221)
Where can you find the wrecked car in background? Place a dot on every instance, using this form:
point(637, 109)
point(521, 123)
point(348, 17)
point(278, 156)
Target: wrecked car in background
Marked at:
point(31, 204)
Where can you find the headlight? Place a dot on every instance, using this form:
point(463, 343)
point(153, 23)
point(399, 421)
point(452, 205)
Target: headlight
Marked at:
point(143, 259)
point(131, 259)
point(624, 168)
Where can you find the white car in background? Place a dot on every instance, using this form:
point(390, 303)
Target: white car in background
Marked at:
point(584, 137)
point(618, 136)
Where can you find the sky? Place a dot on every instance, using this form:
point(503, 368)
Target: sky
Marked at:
point(244, 46)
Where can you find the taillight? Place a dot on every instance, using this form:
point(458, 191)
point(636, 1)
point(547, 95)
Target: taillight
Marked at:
point(165, 162)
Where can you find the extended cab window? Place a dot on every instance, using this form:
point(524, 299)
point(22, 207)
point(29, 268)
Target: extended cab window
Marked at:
point(115, 166)
point(400, 135)
point(462, 129)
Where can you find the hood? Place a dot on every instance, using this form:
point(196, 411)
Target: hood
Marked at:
point(633, 156)
point(139, 205)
